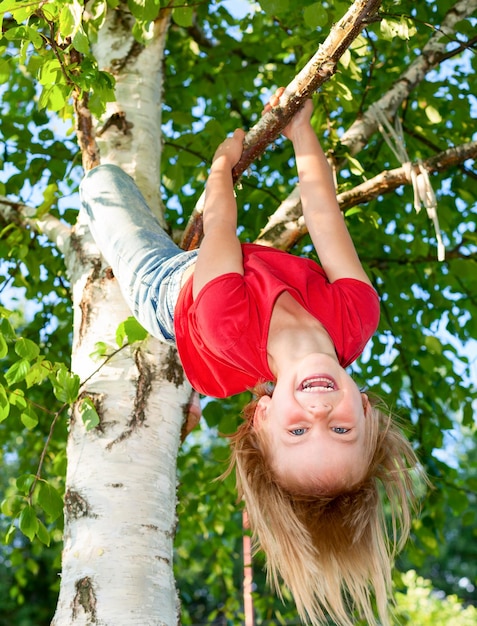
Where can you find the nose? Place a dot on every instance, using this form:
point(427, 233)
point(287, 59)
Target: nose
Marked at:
point(319, 408)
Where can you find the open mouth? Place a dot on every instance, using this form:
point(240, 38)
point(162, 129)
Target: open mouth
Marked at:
point(318, 384)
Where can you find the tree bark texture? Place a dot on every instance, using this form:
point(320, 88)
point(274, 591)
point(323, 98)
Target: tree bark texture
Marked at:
point(121, 478)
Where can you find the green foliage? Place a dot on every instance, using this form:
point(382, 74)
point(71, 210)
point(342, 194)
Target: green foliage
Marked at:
point(219, 72)
point(55, 51)
point(421, 605)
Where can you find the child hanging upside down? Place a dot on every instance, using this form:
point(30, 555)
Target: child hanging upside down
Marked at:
point(313, 453)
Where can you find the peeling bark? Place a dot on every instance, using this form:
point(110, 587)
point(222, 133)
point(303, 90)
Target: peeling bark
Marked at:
point(85, 134)
point(85, 600)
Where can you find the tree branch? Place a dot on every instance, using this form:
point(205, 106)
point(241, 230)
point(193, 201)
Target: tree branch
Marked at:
point(319, 69)
point(390, 180)
point(286, 226)
point(23, 215)
point(433, 53)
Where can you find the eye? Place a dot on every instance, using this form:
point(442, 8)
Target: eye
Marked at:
point(339, 430)
point(297, 432)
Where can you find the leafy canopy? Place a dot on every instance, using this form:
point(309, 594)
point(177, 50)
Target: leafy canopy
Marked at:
point(222, 60)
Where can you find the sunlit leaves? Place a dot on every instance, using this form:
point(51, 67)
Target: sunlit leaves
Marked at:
point(183, 16)
point(144, 10)
point(65, 384)
point(88, 414)
point(217, 76)
point(402, 28)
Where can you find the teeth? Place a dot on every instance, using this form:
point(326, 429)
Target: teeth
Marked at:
point(321, 383)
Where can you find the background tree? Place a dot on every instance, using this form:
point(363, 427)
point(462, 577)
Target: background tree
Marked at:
point(154, 87)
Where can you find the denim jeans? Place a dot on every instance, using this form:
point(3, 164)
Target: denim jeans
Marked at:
point(146, 262)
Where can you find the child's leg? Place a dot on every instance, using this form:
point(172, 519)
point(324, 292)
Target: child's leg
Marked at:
point(146, 262)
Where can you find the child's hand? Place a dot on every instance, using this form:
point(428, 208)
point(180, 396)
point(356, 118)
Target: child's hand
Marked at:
point(231, 149)
point(299, 120)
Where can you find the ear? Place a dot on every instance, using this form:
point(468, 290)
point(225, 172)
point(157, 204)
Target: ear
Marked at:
point(366, 403)
point(261, 411)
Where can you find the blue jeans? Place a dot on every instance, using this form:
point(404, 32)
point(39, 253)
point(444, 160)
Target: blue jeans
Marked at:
point(146, 262)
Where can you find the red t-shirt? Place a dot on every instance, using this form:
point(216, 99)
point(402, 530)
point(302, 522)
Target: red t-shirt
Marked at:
point(222, 334)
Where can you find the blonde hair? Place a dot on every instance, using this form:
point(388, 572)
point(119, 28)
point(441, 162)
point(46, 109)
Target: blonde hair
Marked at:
point(333, 551)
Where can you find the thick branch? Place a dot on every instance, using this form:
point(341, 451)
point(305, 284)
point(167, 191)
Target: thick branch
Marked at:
point(319, 69)
point(23, 215)
point(287, 225)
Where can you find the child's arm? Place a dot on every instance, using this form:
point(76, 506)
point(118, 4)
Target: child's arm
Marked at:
point(220, 251)
point(321, 211)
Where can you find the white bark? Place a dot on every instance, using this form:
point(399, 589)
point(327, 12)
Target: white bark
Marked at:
point(121, 478)
point(129, 135)
point(57, 231)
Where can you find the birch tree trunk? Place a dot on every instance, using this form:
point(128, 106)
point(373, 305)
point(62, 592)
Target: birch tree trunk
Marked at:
point(121, 477)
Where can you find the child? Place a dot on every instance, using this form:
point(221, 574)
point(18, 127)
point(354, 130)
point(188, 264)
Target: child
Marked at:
point(309, 455)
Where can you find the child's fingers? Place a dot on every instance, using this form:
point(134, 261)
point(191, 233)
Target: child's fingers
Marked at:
point(274, 100)
point(239, 134)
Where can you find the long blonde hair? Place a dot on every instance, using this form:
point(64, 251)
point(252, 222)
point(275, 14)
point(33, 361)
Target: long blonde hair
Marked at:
point(333, 551)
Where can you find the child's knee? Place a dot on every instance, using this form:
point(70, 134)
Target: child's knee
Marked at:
point(102, 176)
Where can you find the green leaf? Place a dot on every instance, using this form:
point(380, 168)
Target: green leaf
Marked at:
point(274, 7)
point(213, 413)
point(433, 114)
point(65, 385)
point(17, 371)
point(4, 404)
point(81, 42)
point(38, 372)
point(49, 499)
point(25, 482)
point(25, 34)
point(144, 10)
point(315, 16)
point(26, 349)
point(131, 330)
point(433, 345)
point(54, 97)
point(5, 327)
point(70, 18)
point(17, 399)
point(29, 418)
point(12, 505)
point(28, 522)
point(402, 28)
point(89, 414)
point(183, 16)
point(101, 350)
point(49, 197)
point(3, 347)
point(43, 534)
point(50, 72)
point(9, 535)
point(355, 166)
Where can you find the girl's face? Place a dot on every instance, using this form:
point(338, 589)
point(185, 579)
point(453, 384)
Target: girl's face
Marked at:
point(315, 426)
